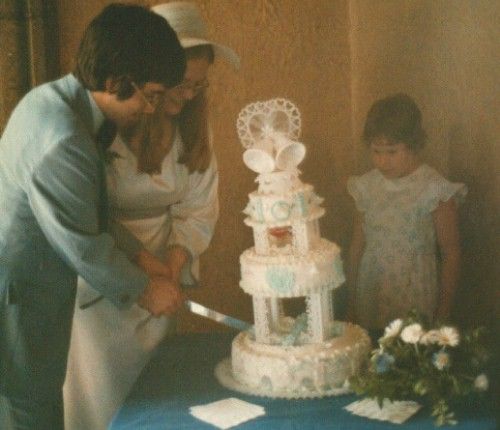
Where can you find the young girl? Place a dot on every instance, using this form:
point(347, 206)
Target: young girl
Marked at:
point(406, 226)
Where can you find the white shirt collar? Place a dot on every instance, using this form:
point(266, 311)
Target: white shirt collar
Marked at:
point(97, 114)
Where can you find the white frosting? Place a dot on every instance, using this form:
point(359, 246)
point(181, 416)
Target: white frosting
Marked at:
point(274, 210)
point(279, 182)
point(289, 371)
point(284, 273)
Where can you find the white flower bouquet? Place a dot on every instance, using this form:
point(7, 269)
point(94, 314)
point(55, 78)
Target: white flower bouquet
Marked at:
point(438, 365)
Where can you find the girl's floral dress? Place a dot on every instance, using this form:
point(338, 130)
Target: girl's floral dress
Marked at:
point(398, 269)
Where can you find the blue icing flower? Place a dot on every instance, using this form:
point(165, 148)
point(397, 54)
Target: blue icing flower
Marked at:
point(299, 326)
point(259, 213)
point(281, 211)
point(280, 279)
point(266, 384)
point(302, 204)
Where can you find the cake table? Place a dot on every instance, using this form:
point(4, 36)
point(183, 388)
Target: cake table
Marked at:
point(180, 375)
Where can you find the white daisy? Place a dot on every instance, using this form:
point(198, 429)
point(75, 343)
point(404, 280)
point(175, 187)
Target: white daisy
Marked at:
point(430, 337)
point(441, 360)
point(481, 382)
point(393, 328)
point(412, 333)
point(448, 336)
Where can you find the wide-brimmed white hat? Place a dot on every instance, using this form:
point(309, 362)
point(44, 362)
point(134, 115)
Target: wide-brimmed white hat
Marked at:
point(185, 19)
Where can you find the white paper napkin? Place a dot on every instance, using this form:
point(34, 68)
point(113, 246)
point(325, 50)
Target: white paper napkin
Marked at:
point(227, 413)
point(396, 412)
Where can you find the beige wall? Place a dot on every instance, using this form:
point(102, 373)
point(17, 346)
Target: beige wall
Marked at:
point(333, 58)
point(26, 28)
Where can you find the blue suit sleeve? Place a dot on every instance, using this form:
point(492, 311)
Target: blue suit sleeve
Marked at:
point(65, 191)
point(124, 239)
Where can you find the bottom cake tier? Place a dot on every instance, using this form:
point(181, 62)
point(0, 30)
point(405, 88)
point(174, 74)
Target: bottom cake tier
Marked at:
point(312, 370)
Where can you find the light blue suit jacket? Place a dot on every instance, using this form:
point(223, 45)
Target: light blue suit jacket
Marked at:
point(53, 218)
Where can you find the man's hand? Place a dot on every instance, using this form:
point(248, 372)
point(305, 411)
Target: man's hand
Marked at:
point(161, 297)
point(152, 265)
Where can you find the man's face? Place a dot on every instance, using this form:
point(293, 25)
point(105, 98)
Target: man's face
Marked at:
point(127, 113)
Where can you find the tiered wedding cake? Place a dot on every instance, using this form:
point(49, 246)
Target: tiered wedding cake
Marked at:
point(311, 355)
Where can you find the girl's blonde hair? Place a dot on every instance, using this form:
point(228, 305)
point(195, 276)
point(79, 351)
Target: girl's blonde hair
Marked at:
point(193, 127)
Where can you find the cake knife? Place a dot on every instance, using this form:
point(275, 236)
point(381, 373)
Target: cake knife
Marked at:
point(235, 323)
point(198, 309)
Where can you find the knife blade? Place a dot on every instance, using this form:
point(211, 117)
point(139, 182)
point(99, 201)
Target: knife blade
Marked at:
point(199, 309)
point(203, 311)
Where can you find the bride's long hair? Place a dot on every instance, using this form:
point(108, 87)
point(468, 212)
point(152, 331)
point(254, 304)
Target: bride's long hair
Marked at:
point(193, 127)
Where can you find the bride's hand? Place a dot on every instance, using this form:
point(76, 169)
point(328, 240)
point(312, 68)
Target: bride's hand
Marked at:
point(152, 265)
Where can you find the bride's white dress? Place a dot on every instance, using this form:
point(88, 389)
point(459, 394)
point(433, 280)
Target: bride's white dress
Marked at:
point(110, 347)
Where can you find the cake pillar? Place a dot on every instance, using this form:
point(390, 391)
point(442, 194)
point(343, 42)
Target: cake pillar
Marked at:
point(261, 320)
point(320, 314)
point(300, 237)
point(276, 312)
point(313, 232)
point(261, 239)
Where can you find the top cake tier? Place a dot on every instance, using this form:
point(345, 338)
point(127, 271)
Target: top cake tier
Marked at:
point(281, 200)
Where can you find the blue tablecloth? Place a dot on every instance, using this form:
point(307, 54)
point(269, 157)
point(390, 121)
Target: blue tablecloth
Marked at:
point(180, 375)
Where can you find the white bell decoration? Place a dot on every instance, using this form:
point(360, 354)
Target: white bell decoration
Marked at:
point(269, 131)
point(260, 157)
point(289, 153)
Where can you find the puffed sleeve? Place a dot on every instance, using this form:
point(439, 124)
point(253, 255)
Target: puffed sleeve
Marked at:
point(441, 190)
point(356, 187)
point(64, 191)
point(194, 218)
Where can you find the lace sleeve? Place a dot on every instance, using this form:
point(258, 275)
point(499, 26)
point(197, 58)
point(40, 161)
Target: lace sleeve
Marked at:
point(443, 190)
point(356, 190)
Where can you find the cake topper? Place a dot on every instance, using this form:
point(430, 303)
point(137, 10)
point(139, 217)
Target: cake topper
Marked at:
point(269, 131)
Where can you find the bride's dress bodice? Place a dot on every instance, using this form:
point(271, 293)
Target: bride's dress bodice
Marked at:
point(173, 207)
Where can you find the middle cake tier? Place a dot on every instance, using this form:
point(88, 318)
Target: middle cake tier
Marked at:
point(283, 273)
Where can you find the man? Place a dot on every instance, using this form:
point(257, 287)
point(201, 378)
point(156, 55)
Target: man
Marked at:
point(53, 219)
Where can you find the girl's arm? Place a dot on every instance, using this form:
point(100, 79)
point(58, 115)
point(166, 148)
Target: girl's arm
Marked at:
point(445, 218)
point(355, 252)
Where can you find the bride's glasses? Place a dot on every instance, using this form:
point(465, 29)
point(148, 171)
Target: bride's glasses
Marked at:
point(195, 87)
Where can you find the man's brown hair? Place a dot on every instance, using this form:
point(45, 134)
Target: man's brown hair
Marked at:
point(129, 43)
